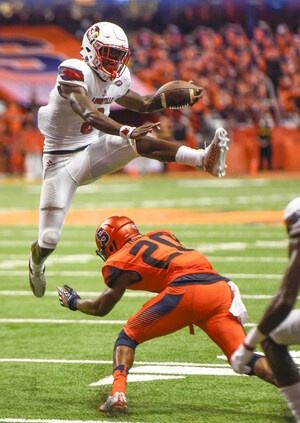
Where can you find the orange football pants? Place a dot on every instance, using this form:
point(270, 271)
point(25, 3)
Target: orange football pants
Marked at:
point(206, 306)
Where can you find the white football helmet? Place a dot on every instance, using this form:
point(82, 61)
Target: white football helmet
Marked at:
point(105, 49)
point(292, 217)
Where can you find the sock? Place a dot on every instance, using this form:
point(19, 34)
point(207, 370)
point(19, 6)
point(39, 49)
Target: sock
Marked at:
point(189, 156)
point(120, 374)
point(36, 268)
point(291, 394)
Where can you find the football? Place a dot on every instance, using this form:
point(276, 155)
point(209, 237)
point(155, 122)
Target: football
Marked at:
point(177, 94)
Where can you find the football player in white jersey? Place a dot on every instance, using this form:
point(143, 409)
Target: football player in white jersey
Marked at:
point(82, 143)
point(280, 325)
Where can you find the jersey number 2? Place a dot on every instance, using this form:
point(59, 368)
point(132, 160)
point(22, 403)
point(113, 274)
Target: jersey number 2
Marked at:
point(86, 128)
point(152, 246)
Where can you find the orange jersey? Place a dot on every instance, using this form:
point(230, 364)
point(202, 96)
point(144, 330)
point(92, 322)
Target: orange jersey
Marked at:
point(160, 260)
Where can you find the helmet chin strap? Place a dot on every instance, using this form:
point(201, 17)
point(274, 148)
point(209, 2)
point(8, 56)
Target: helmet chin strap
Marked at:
point(112, 76)
point(102, 76)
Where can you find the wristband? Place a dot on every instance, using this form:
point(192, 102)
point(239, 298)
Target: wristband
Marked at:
point(254, 337)
point(73, 303)
point(125, 131)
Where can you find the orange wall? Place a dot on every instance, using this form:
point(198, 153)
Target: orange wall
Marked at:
point(243, 155)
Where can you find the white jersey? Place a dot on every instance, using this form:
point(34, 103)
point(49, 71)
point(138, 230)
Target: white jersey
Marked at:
point(62, 128)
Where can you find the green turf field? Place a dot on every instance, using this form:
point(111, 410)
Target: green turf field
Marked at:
point(50, 356)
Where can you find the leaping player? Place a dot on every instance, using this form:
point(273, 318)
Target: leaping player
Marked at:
point(82, 143)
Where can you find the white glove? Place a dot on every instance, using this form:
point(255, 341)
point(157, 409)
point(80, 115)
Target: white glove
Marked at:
point(240, 358)
point(243, 354)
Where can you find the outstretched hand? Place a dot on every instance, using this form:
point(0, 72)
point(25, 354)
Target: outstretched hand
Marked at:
point(143, 130)
point(68, 297)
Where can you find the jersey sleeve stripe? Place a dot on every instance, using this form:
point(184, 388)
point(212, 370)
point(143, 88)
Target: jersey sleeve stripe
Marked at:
point(69, 74)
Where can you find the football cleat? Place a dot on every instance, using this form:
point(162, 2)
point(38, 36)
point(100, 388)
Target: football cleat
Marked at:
point(215, 154)
point(37, 281)
point(115, 404)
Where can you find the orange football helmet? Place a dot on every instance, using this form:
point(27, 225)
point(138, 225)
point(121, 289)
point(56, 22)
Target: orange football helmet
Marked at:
point(113, 233)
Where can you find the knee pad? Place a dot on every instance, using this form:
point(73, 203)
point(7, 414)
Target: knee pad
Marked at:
point(49, 238)
point(125, 340)
point(53, 195)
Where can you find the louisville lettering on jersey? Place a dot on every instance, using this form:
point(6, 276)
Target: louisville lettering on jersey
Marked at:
point(69, 74)
point(105, 100)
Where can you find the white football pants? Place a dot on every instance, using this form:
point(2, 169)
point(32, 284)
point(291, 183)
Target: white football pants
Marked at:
point(62, 174)
point(288, 332)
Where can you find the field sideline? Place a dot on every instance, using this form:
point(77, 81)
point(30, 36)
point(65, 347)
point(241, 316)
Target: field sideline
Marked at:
point(56, 365)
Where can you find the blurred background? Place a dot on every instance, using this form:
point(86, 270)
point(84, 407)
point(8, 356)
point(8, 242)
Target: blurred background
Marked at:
point(246, 55)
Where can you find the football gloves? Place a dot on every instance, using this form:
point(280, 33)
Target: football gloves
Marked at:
point(68, 297)
point(240, 358)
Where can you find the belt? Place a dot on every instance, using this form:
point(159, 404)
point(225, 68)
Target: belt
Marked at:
point(58, 152)
point(198, 279)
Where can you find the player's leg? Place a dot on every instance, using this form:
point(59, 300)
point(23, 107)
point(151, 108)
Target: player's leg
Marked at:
point(57, 192)
point(286, 372)
point(111, 153)
point(160, 316)
point(219, 321)
point(288, 332)
point(228, 333)
point(212, 159)
point(123, 358)
point(108, 154)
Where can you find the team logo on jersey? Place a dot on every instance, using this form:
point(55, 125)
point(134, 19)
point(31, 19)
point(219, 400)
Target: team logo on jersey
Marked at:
point(93, 33)
point(69, 74)
point(118, 83)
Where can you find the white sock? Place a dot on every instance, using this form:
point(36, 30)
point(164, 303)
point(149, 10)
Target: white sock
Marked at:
point(189, 156)
point(291, 394)
point(37, 268)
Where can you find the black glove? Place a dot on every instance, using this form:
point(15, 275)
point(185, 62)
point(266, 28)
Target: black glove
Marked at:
point(68, 297)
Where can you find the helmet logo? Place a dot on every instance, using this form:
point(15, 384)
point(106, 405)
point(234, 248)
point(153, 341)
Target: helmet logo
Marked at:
point(102, 237)
point(93, 33)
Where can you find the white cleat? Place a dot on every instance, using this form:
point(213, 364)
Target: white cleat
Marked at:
point(115, 404)
point(215, 154)
point(37, 281)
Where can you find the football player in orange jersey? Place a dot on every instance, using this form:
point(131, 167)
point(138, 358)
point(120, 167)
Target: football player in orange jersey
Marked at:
point(190, 292)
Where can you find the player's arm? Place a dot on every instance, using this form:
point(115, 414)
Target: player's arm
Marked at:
point(139, 103)
point(86, 109)
point(284, 300)
point(101, 305)
point(276, 312)
point(151, 102)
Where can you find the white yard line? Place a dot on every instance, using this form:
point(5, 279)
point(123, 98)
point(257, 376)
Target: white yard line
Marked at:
point(20, 420)
point(65, 321)
point(70, 322)
point(133, 294)
point(13, 262)
point(97, 274)
point(207, 246)
point(28, 293)
point(139, 363)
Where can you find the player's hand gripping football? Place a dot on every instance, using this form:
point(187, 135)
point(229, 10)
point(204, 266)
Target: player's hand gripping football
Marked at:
point(198, 93)
point(68, 297)
point(240, 358)
point(143, 130)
